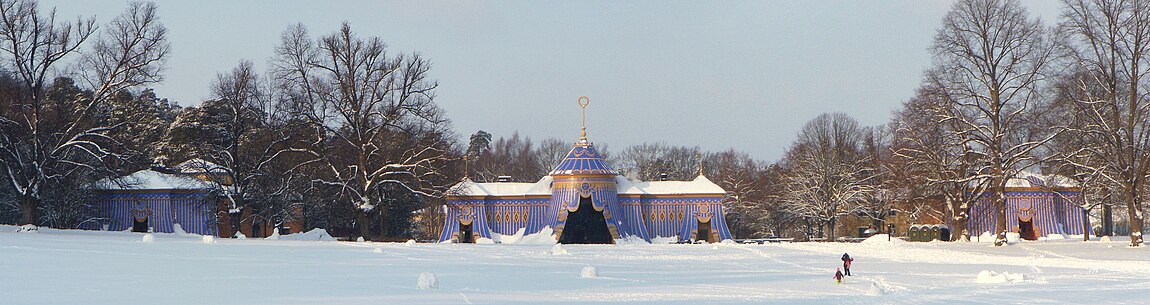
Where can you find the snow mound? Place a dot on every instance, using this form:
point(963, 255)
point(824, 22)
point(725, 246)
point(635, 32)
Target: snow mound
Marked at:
point(275, 235)
point(715, 247)
point(1055, 237)
point(589, 272)
point(1105, 238)
point(148, 238)
point(1013, 237)
point(484, 241)
point(240, 235)
point(991, 277)
point(728, 242)
point(377, 250)
point(28, 228)
point(875, 289)
point(410, 242)
point(665, 240)
point(545, 236)
point(882, 239)
point(631, 240)
point(208, 239)
point(558, 250)
point(427, 280)
point(359, 239)
point(313, 235)
point(179, 230)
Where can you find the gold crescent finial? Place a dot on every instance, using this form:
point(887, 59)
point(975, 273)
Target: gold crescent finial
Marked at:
point(583, 102)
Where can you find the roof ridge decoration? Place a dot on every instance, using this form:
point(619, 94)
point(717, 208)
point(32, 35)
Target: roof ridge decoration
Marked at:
point(583, 159)
point(583, 102)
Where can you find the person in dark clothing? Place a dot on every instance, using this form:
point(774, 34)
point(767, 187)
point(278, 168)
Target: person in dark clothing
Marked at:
point(847, 259)
point(838, 276)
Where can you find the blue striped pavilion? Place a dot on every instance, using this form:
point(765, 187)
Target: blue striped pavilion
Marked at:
point(151, 201)
point(584, 201)
point(1036, 206)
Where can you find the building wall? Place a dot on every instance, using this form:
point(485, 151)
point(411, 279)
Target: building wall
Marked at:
point(1051, 213)
point(643, 217)
point(192, 210)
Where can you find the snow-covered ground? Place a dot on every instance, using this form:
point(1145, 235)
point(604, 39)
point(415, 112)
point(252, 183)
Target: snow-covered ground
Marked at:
point(84, 267)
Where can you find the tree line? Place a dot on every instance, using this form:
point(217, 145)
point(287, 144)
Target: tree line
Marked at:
point(348, 134)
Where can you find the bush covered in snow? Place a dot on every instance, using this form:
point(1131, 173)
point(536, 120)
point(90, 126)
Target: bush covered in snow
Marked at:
point(589, 272)
point(29, 228)
point(427, 280)
point(359, 239)
point(240, 235)
point(410, 242)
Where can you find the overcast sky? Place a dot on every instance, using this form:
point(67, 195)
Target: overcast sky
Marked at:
point(744, 75)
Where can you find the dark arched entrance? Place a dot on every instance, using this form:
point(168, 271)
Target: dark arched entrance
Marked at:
point(465, 234)
point(140, 217)
point(704, 232)
point(140, 224)
point(1026, 230)
point(586, 226)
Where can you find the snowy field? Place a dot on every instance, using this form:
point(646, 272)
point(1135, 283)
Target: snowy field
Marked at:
point(84, 267)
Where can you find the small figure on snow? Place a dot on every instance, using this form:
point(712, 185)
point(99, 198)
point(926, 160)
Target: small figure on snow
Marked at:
point(847, 259)
point(838, 276)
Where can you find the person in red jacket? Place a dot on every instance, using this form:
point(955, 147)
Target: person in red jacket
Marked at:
point(847, 259)
point(838, 276)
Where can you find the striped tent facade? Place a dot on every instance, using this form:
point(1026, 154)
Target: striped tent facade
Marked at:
point(161, 200)
point(193, 211)
point(1048, 211)
point(631, 210)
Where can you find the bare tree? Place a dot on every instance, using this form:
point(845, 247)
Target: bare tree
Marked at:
point(514, 157)
point(649, 161)
point(379, 127)
point(550, 152)
point(827, 176)
point(931, 160)
point(1109, 43)
point(990, 60)
point(47, 141)
point(743, 179)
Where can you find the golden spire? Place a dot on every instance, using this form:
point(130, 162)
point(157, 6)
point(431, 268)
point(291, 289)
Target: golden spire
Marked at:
point(583, 101)
point(465, 169)
point(699, 155)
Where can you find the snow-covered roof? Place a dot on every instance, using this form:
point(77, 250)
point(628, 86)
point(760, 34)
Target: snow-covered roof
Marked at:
point(701, 185)
point(152, 180)
point(472, 188)
point(197, 166)
point(1030, 179)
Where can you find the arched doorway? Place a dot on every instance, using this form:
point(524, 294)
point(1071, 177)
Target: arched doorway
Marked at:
point(586, 226)
point(704, 232)
point(140, 216)
point(1026, 230)
point(465, 233)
